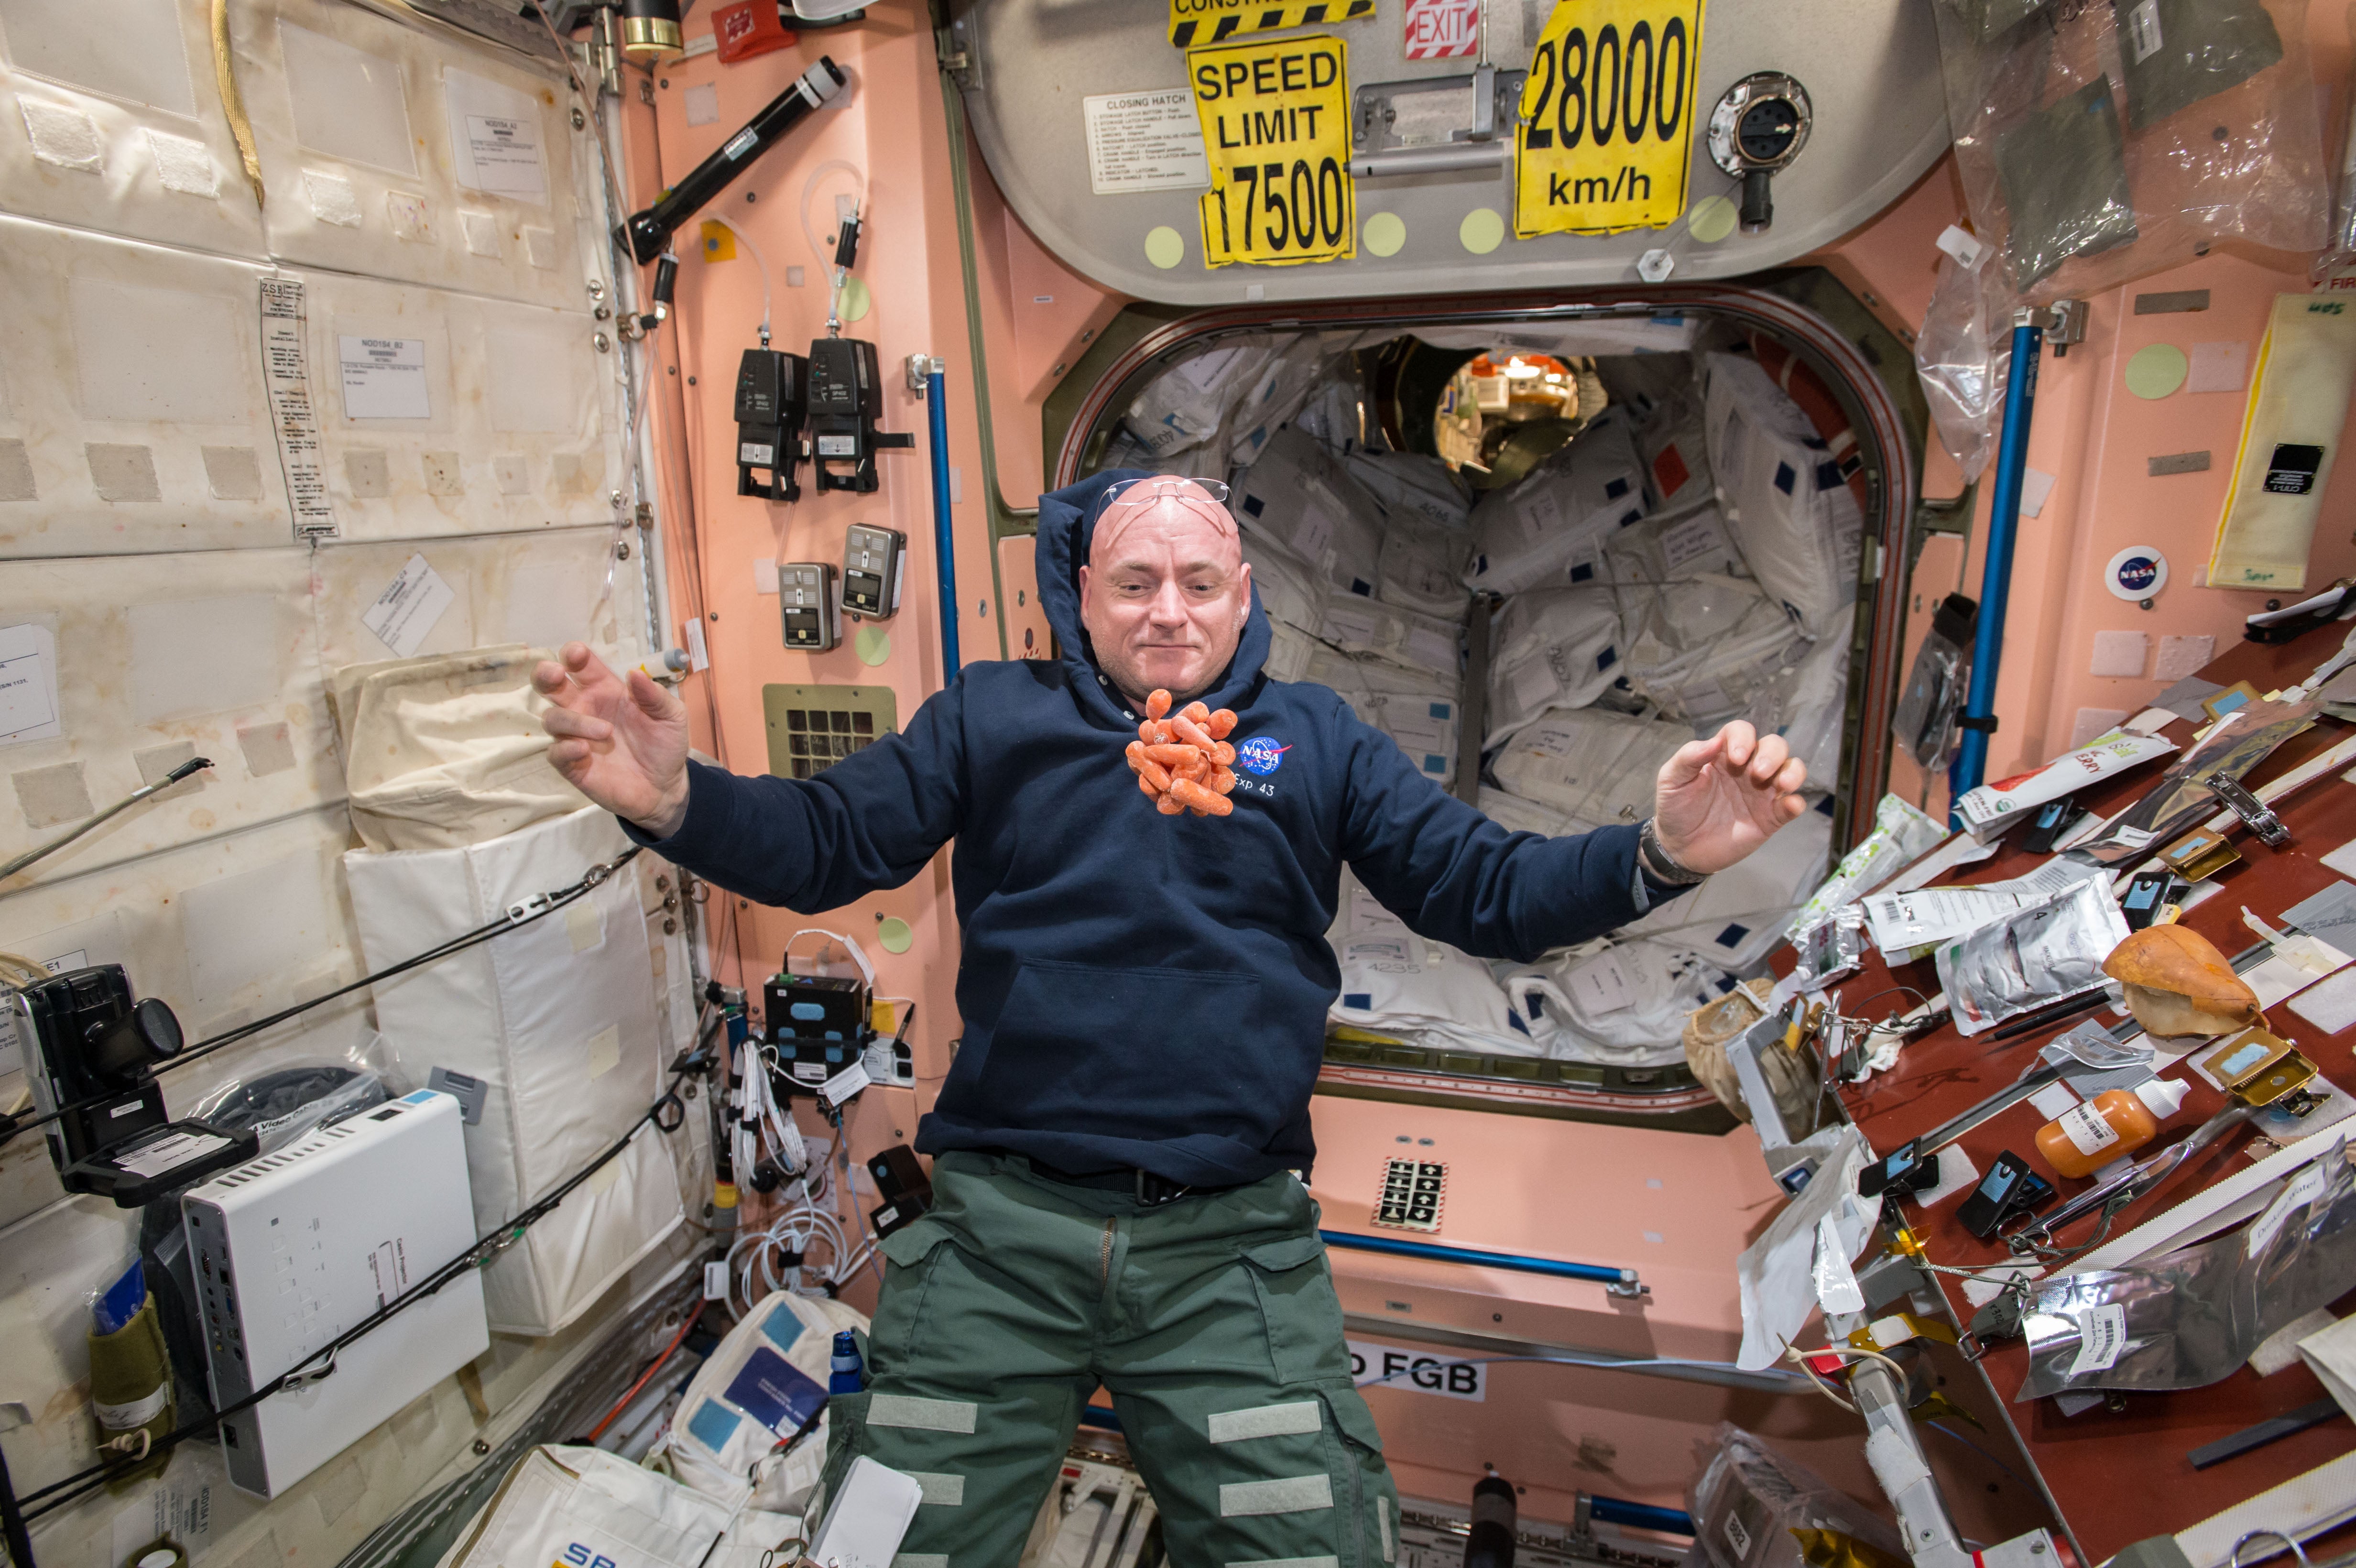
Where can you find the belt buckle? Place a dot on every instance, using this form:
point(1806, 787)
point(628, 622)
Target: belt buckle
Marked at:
point(1153, 1191)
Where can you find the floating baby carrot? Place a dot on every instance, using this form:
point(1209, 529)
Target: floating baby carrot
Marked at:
point(1220, 723)
point(1187, 729)
point(1197, 711)
point(1156, 776)
point(1152, 790)
point(1223, 753)
point(1169, 807)
point(1169, 756)
point(1189, 794)
point(1157, 703)
point(1161, 735)
point(1223, 781)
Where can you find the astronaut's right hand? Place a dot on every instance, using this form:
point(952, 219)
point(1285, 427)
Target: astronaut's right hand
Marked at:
point(622, 741)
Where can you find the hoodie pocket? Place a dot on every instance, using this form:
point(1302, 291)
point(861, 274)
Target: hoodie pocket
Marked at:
point(1140, 1054)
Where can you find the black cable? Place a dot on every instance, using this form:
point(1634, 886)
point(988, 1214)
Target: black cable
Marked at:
point(597, 877)
point(486, 1247)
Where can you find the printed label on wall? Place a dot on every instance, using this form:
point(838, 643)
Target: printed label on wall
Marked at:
point(285, 369)
point(1608, 118)
point(384, 378)
point(1276, 125)
point(1442, 29)
point(1144, 141)
point(1420, 1371)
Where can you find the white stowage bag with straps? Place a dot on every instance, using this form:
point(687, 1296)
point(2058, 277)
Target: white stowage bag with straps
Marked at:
point(1590, 763)
point(1614, 1002)
point(1551, 647)
point(1702, 642)
point(1739, 916)
point(1293, 596)
point(1417, 709)
point(585, 1508)
point(1408, 483)
point(1184, 406)
point(1549, 530)
point(752, 1393)
point(1785, 499)
point(557, 1019)
point(1422, 567)
point(1398, 982)
point(1296, 495)
point(1362, 628)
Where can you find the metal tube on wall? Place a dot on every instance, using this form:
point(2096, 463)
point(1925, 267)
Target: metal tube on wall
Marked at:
point(1970, 766)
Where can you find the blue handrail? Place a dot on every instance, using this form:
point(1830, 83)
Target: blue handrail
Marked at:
point(1642, 1516)
point(1399, 1246)
point(1970, 766)
point(944, 541)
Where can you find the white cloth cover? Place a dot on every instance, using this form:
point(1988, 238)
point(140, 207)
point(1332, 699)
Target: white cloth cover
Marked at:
point(1547, 531)
point(1422, 566)
point(1614, 1002)
point(1416, 709)
point(1397, 983)
point(1363, 627)
point(1273, 397)
point(1590, 763)
point(1298, 496)
point(1551, 647)
point(715, 1440)
point(578, 1506)
point(557, 1018)
point(1676, 453)
point(1293, 595)
point(1407, 482)
point(1786, 501)
point(447, 750)
point(1703, 643)
point(1739, 916)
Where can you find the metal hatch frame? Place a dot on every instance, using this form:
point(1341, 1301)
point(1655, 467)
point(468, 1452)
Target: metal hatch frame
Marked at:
point(1791, 305)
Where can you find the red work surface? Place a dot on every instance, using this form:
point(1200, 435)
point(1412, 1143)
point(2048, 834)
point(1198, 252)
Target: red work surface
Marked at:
point(2121, 1476)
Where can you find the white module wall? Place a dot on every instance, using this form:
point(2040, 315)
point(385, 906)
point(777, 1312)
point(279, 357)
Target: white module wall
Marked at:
point(161, 596)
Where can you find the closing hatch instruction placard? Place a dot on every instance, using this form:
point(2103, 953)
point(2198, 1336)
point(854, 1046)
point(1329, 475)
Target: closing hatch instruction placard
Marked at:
point(1144, 141)
point(1608, 118)
point(1195, 22)
point(1276, 126)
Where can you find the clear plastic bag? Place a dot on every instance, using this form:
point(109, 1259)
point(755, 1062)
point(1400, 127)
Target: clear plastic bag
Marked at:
point(1750, 1505)
point(1962, 356)
point(2032, 957)
point(2099, 141)
point(1924, 727)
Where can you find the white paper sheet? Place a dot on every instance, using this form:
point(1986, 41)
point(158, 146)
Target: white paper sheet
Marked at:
point(29, 685)
point(404, 614)
point(1959, 851)
point(1601, 984)
point(495, 138)
point(2332, 1353)
point(384, 378)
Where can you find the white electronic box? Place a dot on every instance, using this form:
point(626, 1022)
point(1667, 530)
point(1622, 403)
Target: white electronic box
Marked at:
point(294, 1248)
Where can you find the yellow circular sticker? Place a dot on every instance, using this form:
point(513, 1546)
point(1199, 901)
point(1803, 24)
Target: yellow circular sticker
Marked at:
point(1482, 231)
point(874, 644)
point(2156, 369)
point(1164, 246)
point(1712, 219)
point(1385, 233)
point(856, 300)
point(893, 933)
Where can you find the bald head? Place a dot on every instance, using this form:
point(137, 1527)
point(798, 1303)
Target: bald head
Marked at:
point(1166, 591)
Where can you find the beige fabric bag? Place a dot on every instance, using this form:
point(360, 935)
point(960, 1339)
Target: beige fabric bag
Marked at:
point(445, 750)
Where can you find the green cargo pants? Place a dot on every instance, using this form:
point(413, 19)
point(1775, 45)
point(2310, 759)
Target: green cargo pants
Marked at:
point(1211, 1320)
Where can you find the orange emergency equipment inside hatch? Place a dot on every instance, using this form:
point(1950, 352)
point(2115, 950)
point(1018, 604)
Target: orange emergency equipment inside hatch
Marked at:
point(1545, 486)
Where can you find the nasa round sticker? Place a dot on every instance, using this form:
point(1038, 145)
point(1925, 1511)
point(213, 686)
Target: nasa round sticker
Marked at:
point(2136, 572)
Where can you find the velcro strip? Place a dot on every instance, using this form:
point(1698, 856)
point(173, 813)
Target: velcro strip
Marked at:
point(921, 1560)
point(1294, 1494)
point(924, 1415)
point(1291, 1562)
point(1383, 1519)
point(1268, 1420)
point(940, 1491)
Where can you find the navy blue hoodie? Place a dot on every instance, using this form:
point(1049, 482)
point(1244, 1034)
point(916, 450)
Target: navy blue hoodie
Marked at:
point(1141, 990)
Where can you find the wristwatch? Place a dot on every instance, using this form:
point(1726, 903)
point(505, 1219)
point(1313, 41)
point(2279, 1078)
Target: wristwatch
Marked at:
point(1659, 865)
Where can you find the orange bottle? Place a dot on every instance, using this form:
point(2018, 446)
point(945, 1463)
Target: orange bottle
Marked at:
point(2117, 1122)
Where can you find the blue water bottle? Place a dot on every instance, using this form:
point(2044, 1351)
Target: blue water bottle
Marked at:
point(848, 1374)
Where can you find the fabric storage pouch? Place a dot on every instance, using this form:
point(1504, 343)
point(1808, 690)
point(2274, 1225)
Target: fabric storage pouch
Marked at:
point(1589, 763)
point(1417, 711)
point(1547, 530)
point(1551, 647)
point(1786, 501)
point(1296, 495)
point(1621, 1003)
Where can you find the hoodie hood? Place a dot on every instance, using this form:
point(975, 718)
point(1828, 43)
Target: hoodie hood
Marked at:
point(1068, 522)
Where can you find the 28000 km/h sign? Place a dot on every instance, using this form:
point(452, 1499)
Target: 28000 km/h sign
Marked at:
point(1607, 127)
point(1275, 128)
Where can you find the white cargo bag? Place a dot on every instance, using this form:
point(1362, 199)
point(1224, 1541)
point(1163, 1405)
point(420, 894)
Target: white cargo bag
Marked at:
point(557, 1019)
point(1422, 567)
point(1397, 983)
point(1677, 453)
point(578, 1507)
point(1739, 916)
point(1409, 483)
point(1370, 628)
point(1297, 496)
point(1616, 1002)
point(1185, 405)
point(751, 1394)
point(1274, 396)
point(1785, 499)
point(1551, 647)
point(1701, 642)
point(1816, 713)
point(1293, 597)
point(1547, 531)
point(1417, 709)
point(1590, 763)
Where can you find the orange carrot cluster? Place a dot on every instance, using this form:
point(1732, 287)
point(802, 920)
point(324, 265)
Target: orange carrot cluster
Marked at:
point(1182, 760)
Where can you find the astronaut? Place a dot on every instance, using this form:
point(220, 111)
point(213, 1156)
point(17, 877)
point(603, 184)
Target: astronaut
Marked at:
point(1122, 1143)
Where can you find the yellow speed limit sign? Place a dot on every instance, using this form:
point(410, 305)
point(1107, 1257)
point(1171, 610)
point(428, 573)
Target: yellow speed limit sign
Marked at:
point(1608, 118)
point(1276, 126)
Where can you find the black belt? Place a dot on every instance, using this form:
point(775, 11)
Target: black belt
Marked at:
point(1151, 1191)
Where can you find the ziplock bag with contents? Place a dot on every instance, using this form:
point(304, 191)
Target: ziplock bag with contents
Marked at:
point(2032, 957)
